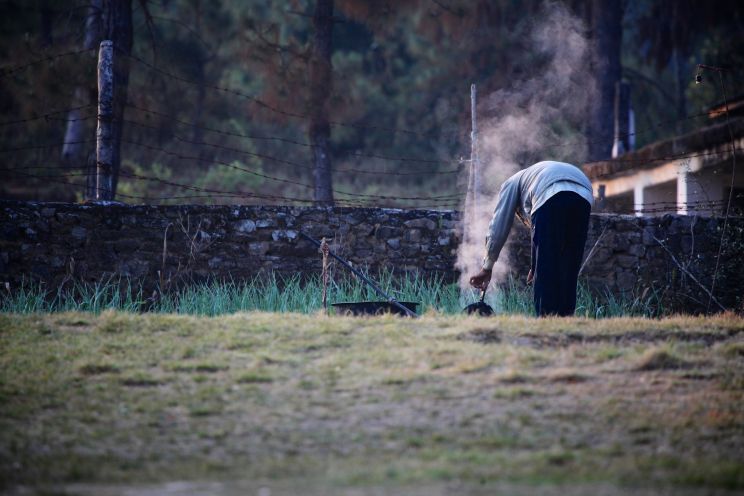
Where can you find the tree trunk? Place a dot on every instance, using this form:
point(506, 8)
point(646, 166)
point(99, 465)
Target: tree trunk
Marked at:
point(320, 89)
point(117, 22)
point(74, 152)
point(607, 37)
point(201, 77)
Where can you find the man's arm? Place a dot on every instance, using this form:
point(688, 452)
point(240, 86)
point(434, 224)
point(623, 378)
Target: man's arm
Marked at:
point(498, 230)
point(501, 222)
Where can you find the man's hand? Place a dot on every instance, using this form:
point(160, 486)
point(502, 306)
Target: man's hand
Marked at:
point(530, 277)
point(481, 279)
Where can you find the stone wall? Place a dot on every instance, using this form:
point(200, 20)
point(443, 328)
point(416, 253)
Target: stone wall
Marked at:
point(55, 242)
point(672, 257)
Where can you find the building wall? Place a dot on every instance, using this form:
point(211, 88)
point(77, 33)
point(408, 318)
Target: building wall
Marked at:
point(58, 243)
point(659, 199)
point(703, 190)
point(694, 185)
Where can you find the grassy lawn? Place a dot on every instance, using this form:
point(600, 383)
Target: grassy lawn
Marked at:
point(309, 404)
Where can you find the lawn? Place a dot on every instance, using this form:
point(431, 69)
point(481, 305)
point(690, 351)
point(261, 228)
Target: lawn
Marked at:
point(268, 403)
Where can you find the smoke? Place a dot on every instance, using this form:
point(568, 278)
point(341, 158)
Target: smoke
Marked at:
point(533, 119)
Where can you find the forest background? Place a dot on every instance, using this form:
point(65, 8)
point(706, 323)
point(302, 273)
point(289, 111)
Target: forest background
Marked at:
point(397, 101)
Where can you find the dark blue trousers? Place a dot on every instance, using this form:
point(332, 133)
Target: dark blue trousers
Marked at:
point(558, 237)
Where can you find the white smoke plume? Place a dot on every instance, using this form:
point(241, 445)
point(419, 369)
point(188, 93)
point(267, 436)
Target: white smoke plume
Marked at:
point(532, 120)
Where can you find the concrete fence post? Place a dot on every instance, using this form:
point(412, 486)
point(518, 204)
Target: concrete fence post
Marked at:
point(104, 130)
point(621, 143)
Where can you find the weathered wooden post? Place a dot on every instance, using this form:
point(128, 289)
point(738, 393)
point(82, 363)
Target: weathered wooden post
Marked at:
point(104, 130)
point(474, 163)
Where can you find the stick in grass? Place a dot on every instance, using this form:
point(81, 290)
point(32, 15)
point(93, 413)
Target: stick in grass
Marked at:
point(324, 249)
point(674, 259)
point(591, 252)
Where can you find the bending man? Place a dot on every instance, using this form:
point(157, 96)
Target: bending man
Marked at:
point(554, 199)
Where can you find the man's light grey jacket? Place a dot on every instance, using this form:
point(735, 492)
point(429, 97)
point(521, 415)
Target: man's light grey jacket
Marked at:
point(524, 193)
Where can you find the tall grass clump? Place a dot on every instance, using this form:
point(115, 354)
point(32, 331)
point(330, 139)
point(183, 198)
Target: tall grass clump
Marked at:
point(29, 297)
point(275, 293)
point(607, 304)
point(293, 294)
point(95, 297)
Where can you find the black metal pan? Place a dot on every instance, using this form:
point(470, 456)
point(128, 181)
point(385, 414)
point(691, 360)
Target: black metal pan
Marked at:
point(480, 307)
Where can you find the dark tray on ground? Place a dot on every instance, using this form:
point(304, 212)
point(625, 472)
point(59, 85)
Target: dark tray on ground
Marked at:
point(373, 308)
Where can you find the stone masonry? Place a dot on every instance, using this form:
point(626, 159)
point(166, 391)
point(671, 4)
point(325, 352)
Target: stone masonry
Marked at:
point(674, 256)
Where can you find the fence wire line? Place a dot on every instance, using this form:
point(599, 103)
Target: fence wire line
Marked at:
point(186, 186)
point(265, 105)
point(10, 70)
point(663, 205)
point(48, 116)
point(291, 163)
point(289, 141)
point(670, 210)
point(639, 160)
point(398, 130)
point(409, 159)
point(216, 193)
point(45, 146)
point(271, 108)
point(213, 193)
point(274, 178)
point(242, 169)
point(366, 196)
point(7, 71)
point(19, 170)
point(399, 159)
point(164, 198)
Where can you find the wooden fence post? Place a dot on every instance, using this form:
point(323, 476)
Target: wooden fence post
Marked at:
point(104, 130)
point(474, 162)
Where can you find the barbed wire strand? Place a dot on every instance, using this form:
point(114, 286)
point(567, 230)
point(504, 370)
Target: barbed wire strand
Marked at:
point(645, 207)
point(45, 146)
point(291, 163)
point(48, 116)
point(179, 156)
point(10, 70)
point(7, 71)
point(265, 105)
point(213, 193)
point(285, 140)
point(261, 104)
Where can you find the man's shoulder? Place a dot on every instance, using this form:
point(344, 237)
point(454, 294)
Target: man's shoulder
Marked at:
point(546, 164)
point(513, 180)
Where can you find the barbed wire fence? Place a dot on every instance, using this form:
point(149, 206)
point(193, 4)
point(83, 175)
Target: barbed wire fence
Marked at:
point(286, 173)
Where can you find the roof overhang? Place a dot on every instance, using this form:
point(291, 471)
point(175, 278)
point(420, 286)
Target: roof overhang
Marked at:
point(711, 144)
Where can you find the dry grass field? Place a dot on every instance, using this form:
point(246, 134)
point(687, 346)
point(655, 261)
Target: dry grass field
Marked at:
point(272, 404)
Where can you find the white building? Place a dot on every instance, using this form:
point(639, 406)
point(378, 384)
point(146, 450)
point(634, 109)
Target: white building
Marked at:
point(688, 174)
